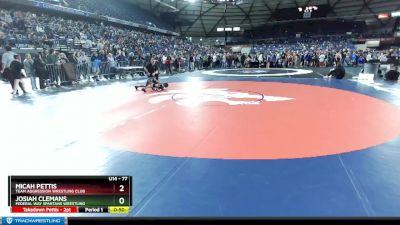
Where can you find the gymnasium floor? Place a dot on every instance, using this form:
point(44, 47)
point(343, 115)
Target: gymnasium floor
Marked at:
point(233, 143)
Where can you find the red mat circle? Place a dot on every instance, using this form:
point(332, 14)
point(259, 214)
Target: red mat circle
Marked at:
point(317, 121)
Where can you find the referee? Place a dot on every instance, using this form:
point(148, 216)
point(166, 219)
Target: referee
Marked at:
point(152, 73)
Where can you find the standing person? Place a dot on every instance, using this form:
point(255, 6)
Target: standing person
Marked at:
point(152, 73)
point(338, 58)
point(6, 60)
point(297, 60)
point(51, 58)
point(302, 60)
point(199, 60)
point(209, 62)
point(103, 64)
point(17, 74)
point(242, 59)
point(214, 60)
point(29, 69)
point(63, 59)
point(168, 63)
point(111, 66)
point(96, 62)
point(224, 61)
point(40, 70)
point(163, 64)
point(260, 59)
point(322, 60)
point(191, 62)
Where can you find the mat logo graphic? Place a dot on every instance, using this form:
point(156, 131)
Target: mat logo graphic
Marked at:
point(247, 71)
point(196, 97)
point(9, 220)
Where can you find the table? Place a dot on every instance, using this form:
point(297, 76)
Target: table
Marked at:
point(123, 71)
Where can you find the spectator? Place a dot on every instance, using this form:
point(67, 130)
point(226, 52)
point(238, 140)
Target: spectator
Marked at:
point(168, 63)
point(111, 69)
point(322, 60)
point(6, 60)
point(191, 62)
point(17, 74)
point(62, 59)
point(51, 58)
point(29, 69)
point(40, 72)
point(96, 62)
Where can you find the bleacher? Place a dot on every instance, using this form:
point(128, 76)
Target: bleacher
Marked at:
point(118, 9)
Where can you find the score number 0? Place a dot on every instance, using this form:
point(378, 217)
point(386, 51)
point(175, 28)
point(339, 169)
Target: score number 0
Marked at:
point(122, 199)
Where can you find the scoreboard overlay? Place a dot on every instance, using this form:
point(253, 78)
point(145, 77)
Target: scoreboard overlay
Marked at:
point(70, 194)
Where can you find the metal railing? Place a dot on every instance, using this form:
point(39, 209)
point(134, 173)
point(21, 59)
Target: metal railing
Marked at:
point(137, 63)
point(82, 70)
point(55, 74)
point(67, 73)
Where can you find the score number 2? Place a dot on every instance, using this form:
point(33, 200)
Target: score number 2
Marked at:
point(121, 189)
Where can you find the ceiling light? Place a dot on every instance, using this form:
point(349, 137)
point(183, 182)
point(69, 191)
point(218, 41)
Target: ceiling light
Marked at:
point(396, 14)
point(383, 15)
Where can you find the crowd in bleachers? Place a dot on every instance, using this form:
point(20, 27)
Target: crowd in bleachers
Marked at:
point(88, 40)
point(100, 47)
point(29, 29)
point(96, 44)
point(116, 9)
point(310, 52)
point(315, 52)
